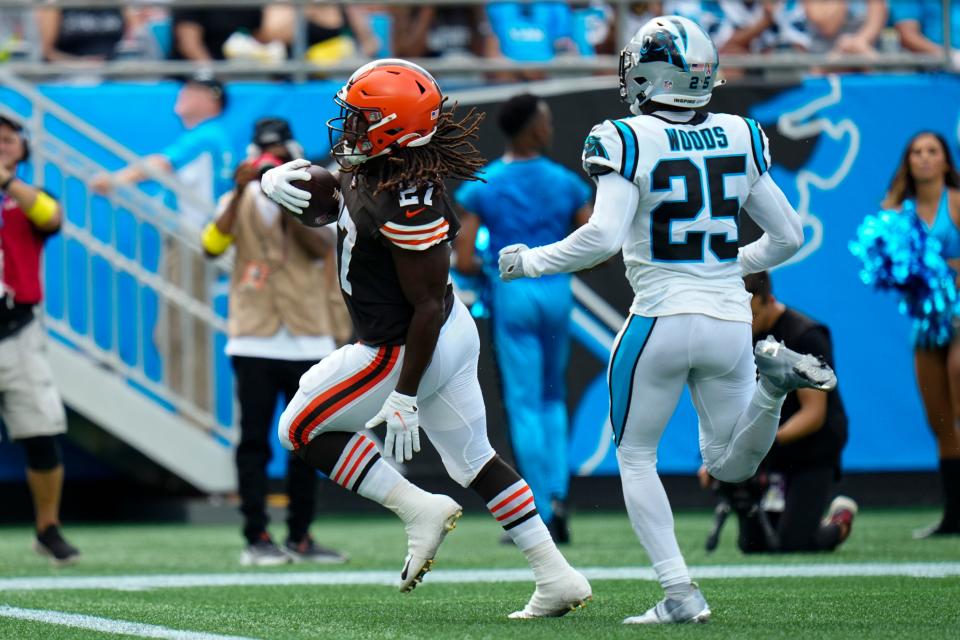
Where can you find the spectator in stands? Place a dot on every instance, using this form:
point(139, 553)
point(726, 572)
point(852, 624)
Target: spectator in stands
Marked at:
point(594, 29)
point(200, 34)
point(843, 26)
point(31, 408)
point(735, 26)
point(530, 199)
point(639, 14)
point(18, 34)
point(920, 25)
point(928, 178)
point(147, 35)
point(532, 32)
point(333, 32)
point(201, 157)
point(804, 462)
point(434, 32)
point(279, 325)
point(80, 33)
point(743, 27)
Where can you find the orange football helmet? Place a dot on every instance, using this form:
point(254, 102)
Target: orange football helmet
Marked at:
point(386, 105)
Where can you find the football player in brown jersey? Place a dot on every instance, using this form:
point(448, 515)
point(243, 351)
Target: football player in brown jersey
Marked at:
point(416, 360)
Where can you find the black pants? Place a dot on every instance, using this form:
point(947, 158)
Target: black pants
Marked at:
point(798, 528)
point(259, 382)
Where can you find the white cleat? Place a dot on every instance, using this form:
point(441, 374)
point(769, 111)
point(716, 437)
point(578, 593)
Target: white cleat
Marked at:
point(788, 370)
point(557, 598)
point(425, 531)
point(692, 608)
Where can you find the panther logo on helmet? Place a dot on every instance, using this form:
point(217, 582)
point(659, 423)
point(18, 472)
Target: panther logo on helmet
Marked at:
point(386, 105)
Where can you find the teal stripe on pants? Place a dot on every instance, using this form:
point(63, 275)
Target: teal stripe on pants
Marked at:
point(622, 367)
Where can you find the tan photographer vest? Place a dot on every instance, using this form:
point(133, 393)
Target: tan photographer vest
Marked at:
point(278, 280)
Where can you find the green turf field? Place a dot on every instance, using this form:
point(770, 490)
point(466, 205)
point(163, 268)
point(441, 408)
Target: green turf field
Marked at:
point(878, 606)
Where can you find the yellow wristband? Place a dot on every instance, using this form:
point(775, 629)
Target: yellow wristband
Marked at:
point(215, 241)
point(43, 210)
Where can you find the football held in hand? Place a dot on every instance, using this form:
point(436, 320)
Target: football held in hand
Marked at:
point(324, 203)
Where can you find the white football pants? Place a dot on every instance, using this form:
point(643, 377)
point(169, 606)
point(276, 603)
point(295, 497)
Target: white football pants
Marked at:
point(348, 387)
point(652, 360)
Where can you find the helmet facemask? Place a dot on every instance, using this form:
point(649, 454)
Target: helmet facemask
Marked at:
point(633, 88)
point(349, 142)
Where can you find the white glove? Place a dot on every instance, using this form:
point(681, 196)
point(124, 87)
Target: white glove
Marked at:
point(275, 184)
point(511, 262)
point(403, 426)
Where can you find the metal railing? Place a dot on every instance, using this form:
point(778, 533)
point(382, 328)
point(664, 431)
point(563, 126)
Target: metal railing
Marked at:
point(563, 66)
point(110, 291)
point(300, 70)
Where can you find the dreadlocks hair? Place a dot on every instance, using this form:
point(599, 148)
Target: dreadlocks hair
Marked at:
point(450, 155)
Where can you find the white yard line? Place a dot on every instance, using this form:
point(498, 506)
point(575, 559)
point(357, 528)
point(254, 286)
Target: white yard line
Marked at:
point(390, 578)
point(106, 625)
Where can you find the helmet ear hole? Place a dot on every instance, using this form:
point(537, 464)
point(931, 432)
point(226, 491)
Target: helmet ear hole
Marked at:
point(640, 80)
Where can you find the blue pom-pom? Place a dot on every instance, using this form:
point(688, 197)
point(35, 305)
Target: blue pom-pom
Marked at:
point(897, 253)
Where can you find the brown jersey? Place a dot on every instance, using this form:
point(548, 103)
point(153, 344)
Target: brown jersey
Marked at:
point(413, 219)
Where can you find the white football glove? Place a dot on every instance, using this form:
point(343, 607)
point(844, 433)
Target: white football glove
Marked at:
point(511, 262)
point(403, 426)
point(275, 184)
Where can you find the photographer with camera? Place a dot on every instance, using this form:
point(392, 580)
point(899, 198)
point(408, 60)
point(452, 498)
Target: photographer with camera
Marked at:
point(781, 508)
point(280, 323)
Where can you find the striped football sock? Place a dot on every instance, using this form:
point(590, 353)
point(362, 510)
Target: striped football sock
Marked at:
point(353, 461)
point(510, 501)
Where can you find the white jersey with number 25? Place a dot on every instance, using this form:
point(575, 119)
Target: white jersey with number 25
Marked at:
point(693, 178)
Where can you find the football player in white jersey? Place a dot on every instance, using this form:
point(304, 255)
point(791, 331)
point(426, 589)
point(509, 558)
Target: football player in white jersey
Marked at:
point(671, 181)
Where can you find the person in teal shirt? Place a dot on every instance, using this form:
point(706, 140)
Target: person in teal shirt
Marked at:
point(530, 199)
point(201, 157)
point(921, 28)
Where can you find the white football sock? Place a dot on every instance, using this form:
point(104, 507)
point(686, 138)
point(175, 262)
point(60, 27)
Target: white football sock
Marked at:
point(547, 562)
point(405, 498)
point(380, 481)
point(651, 517)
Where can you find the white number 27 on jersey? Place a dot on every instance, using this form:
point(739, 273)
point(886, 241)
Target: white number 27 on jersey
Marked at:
point(410, 197)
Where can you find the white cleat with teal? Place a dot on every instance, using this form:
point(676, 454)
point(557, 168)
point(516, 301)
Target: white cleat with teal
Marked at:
point(788, 370)
point(692, 608)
